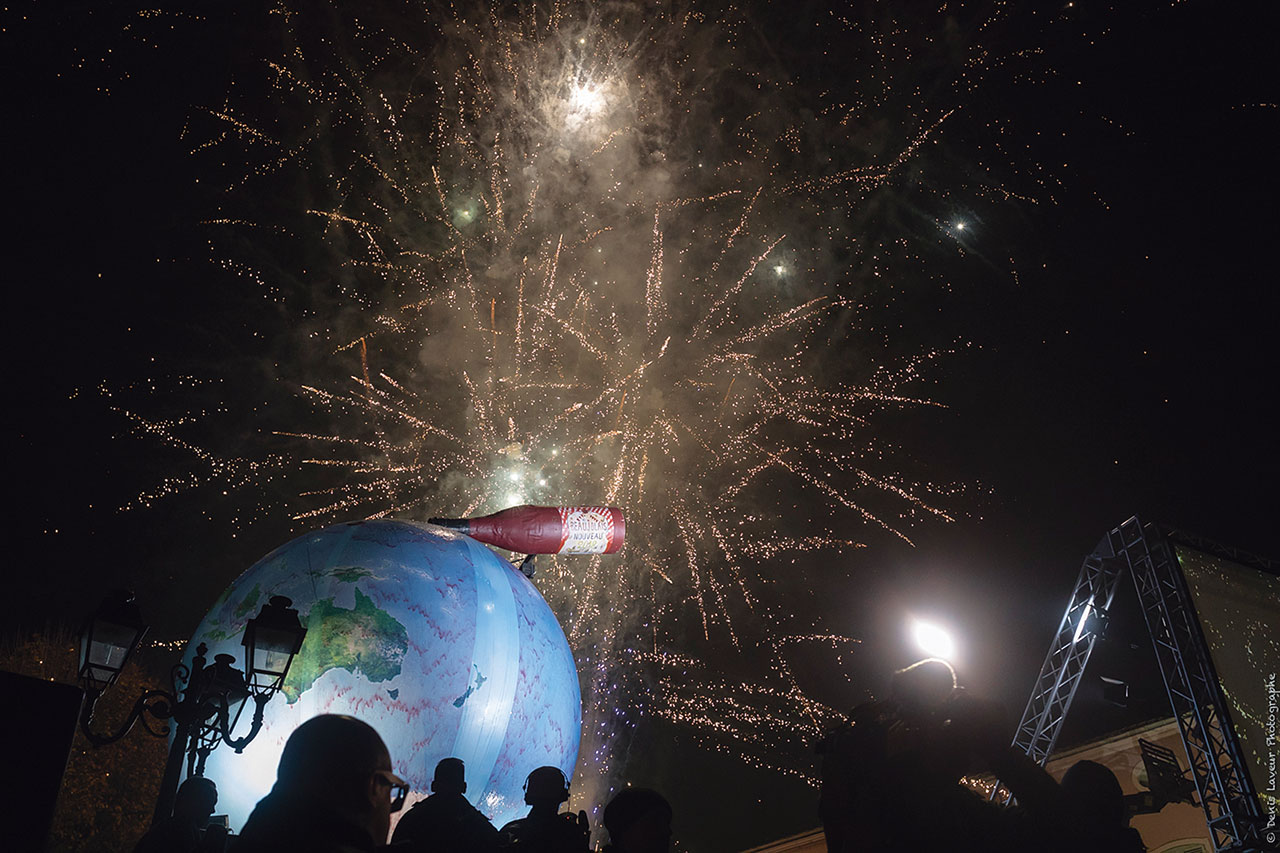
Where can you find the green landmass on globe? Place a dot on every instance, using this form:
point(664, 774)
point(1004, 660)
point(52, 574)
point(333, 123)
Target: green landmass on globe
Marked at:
point(250, 601)
point(364, 639)
point(238, 616)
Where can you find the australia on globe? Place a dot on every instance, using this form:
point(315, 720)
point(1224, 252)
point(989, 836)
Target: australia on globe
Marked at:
point(425, 634)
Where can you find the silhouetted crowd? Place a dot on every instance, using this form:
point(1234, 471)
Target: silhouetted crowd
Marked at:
point(335, 792)
point(892, 780)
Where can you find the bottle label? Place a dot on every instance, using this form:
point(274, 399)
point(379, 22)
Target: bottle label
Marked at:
point(586, 529)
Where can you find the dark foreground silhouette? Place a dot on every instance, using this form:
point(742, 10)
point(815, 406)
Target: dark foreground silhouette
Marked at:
point(638, 821)
point(445, 821)
point(334, 792)
point(891, 780)
point(184, 830)
point(545, 830)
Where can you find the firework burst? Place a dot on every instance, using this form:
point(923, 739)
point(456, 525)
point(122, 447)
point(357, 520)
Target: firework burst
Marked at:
point(577, 253)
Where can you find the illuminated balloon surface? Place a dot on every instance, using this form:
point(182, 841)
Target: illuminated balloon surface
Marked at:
point(430, 637)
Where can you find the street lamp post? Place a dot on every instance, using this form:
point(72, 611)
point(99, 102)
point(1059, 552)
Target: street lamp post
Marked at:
point(108, 641)
point(207, 698)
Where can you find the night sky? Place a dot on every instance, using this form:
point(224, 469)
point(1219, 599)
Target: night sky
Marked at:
point(1126, 370)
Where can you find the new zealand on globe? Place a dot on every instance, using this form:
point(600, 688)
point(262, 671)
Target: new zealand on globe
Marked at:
point(425, 634)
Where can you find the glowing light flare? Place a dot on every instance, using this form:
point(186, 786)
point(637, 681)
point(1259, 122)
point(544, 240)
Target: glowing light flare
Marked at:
point(587, 102)
point(933, 640)
point(1083, 624)
point(586, 99)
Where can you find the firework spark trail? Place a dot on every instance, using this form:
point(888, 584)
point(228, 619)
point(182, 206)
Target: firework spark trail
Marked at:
point(588, 265)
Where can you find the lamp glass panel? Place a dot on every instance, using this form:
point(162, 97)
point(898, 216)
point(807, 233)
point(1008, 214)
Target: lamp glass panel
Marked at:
point(272, 649)
point(108, 645)
point(270, 663)
point(111, 643)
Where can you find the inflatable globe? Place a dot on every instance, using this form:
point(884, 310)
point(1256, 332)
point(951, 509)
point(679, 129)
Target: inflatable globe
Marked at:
point(423, 633)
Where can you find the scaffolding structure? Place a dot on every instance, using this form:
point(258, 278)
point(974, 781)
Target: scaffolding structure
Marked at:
point(1145, 552)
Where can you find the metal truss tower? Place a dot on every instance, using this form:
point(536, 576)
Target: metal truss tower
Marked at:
point(1146, 553)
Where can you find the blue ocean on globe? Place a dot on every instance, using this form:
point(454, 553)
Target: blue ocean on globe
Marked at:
point(427, 635)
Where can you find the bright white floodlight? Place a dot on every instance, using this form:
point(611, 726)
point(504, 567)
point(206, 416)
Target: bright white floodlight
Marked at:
point(933, 640)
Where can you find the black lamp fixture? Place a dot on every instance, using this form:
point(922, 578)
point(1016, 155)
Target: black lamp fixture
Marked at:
point(271, 640)
point(226, 687)
point(109, 639)
point(207, 698)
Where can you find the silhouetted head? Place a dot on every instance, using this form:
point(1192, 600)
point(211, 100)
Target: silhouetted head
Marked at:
point(196, 799)
point(342, 764)
point(974, 733)
point(639, 821)
point(546, 787)
point(451, 777)
point(923, 687)
point(1094, 794)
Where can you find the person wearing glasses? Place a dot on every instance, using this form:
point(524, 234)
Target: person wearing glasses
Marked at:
point(335, 792)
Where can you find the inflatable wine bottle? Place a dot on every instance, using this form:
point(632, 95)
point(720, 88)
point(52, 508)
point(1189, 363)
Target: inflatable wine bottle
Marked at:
point(546, 529)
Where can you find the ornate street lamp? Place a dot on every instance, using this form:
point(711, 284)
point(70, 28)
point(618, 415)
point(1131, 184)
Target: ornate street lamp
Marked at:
point(270, 642)
point(109, 639)
point(206, 700)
